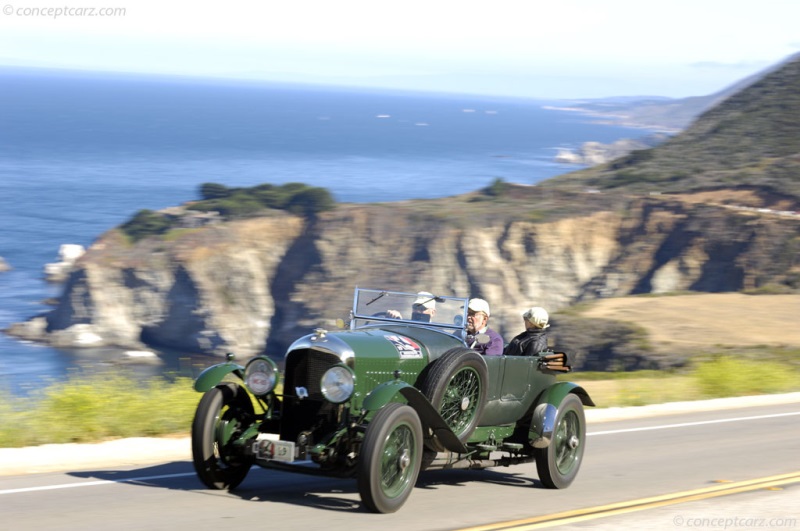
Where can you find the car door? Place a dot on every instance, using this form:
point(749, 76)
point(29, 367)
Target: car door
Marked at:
point(509, 387)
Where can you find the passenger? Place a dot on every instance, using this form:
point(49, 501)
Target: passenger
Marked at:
point(422, 309)
point(490, 343)
point(534, 339)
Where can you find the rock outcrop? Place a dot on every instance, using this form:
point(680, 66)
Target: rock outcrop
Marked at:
point(594, 153)
point(256, 284)
point(68, 254)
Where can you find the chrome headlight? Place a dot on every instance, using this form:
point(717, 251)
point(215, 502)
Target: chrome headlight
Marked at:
point(261, 375)
point(338, 384)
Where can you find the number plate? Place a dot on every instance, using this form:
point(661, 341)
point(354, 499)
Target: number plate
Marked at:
point(275, 450)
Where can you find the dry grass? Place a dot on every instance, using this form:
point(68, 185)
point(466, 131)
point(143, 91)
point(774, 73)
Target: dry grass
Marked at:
point(711, 325)
point(641, 391)
point(708, 320)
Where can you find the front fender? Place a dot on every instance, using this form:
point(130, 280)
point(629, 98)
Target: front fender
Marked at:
point(213, 375)
point(546, 411)
point(432, 422)
point(383, 394)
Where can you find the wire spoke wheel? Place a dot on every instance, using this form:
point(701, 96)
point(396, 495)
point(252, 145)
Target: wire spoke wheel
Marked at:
point(456, 387)
point(558, 464)
point(566, 440)
point(460, 400)
point(390, 459)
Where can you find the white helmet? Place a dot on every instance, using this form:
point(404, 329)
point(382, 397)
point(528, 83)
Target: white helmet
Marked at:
point(537, 316)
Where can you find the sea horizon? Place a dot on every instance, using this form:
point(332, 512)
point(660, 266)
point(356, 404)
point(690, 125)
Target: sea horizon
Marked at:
point(81, 153)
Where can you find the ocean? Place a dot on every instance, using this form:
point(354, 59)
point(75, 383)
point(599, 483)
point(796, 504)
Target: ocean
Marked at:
point(82, 152)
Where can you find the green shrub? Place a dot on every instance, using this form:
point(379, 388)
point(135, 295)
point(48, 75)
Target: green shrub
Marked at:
point(729, 376)
point(214, 191)
point(497, 188)
point(633, 158)
point(231, 203)
point(146, 223)
point(310, 201)
point(101, 406)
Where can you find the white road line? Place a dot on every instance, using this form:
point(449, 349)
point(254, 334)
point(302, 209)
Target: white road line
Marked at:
point(94, 483)
point(687, 424)
point(188, 474)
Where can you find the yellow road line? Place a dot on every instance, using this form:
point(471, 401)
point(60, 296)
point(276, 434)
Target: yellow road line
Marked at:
point(602, 511)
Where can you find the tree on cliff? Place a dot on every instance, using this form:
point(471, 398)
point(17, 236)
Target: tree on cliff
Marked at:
point(297, 198)
point(146, 223)
point(311, 201)
point(214, 191)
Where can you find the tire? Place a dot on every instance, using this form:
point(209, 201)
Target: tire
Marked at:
point(223, 413)
point(456, 386)
point(390, 459)
point(558, 464)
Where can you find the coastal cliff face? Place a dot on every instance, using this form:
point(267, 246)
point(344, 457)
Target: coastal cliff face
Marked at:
point(253, 285)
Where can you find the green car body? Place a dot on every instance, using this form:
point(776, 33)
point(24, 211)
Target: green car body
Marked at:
point(386, 398)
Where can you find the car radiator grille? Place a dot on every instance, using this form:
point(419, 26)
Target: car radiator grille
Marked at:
point(310, 413)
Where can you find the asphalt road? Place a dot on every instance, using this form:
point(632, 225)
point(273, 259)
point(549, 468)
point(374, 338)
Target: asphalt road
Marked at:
point(626, 462)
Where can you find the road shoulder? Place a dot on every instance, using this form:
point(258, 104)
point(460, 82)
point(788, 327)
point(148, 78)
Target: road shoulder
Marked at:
point(148, 450)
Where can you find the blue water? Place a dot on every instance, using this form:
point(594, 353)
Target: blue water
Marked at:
point(82, 152)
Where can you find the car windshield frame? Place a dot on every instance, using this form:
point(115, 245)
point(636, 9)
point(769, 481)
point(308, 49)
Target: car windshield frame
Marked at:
point(371, 307)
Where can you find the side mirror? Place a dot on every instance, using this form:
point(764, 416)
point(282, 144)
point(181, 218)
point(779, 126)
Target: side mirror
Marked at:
point(483, 338)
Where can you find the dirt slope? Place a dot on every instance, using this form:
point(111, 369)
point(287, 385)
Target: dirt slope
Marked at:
point(730, 319)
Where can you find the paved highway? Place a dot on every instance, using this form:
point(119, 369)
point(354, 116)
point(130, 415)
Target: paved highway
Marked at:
point(687, 469)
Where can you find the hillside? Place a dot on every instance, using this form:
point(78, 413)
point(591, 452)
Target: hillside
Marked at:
point(750, 140)
point(674, 329)
point(664, 114)
point(704, 321)
point(258, 283)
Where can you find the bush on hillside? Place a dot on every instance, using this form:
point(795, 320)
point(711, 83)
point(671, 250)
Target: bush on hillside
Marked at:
point(232, 203)
point(146, 223)
point(497, 188)
point(298, 198)
point(214, 191)
point(604, 344)
point(728, 376)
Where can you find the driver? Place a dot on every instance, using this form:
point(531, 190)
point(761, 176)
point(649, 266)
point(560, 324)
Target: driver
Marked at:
point(478, 324)
point(422, 309)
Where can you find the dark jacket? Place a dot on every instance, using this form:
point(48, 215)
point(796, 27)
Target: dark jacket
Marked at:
point(528, 343)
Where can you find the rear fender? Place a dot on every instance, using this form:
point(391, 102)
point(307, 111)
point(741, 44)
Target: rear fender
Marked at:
point(213, 375)
point(546, 411)
point(432, 422)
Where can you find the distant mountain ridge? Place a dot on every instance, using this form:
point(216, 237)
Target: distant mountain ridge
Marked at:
point(667, 114)
point(750, 139)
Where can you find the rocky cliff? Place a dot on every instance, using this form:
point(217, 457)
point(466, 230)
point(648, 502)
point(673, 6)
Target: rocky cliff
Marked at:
point(259, 283)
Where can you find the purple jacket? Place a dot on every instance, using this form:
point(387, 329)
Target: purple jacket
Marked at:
point(493, 348)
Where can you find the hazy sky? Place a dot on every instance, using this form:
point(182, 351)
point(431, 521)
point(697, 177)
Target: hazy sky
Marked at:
point(532, 48)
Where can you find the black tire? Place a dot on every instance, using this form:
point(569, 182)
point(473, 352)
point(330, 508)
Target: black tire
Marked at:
point(558, 464)
point(223, 413)
point(456, 385)
point(390, 459)
point(428, 457)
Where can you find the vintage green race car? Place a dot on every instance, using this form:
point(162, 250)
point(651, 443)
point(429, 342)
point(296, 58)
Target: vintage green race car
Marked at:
point(394, 393)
